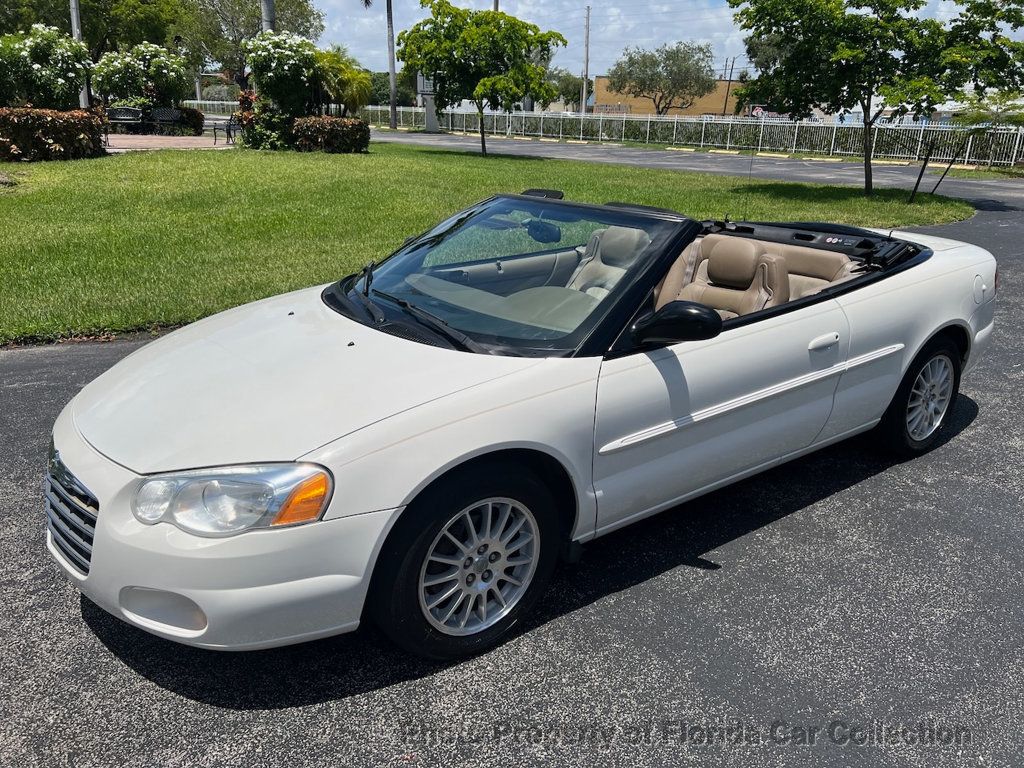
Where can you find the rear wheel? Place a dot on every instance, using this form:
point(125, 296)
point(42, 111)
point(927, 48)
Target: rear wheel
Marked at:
point(919, 412)
point(469, 559)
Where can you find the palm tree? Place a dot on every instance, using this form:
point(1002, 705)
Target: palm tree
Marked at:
point(392, 78)
point(342, 81)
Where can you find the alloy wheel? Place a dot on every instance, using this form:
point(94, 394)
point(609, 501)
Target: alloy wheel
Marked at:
point(479, 566)
point(930, 397)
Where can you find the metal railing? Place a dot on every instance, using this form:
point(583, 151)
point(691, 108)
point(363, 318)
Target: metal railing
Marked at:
point(212, 107)
point(892, 141)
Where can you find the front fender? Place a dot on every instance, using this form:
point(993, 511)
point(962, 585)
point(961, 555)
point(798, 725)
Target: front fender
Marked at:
point(547, 408)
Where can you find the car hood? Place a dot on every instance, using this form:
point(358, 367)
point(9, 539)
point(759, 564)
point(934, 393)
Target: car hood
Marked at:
point(268, 381)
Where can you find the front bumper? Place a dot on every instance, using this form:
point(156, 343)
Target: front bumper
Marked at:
point(255, 590)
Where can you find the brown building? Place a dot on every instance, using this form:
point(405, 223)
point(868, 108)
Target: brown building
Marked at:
point(611, 102)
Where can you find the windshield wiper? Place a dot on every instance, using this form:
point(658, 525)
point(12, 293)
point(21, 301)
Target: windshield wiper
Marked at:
point(367, 274)
point(436, 324)
point(371, 309)
point(340, 294)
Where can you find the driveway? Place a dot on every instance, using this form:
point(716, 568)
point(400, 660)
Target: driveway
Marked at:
point(984, 194)
point(758, 626)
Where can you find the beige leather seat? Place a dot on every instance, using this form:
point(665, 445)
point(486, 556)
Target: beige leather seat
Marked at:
point(811, 269)
point(732, 275)
point(608, 255)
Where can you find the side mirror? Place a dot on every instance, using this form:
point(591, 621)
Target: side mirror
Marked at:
point(678, 321)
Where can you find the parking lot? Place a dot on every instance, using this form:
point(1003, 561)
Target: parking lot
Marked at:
point(838, 599)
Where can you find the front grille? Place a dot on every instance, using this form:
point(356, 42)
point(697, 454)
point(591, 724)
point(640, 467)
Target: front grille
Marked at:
point(71, 512)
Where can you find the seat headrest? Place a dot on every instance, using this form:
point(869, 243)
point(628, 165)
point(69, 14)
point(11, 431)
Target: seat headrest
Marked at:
point(810, 262)
point(619, 246)
point(732, 261)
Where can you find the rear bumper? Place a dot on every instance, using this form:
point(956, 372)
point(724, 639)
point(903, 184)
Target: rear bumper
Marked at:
point(255, 590)
point(982, 326)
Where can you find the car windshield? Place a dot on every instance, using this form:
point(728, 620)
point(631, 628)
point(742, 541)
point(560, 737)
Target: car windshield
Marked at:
point(526, 273)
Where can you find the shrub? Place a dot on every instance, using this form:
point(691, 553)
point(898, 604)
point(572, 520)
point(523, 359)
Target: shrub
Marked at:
point(331, 134)
point(283, 66)
point(44, 134)
point(147, 71)
point(137, 102)
point(192, 121)
point(43, 67)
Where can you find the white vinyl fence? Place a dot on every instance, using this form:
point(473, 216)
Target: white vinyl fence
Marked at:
point(212, 107)
point(896, 141)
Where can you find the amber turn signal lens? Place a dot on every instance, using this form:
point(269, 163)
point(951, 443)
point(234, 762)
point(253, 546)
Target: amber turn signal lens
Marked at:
point(306, 501)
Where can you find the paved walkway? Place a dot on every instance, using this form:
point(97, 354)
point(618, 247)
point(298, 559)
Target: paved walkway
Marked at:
point(122, 142)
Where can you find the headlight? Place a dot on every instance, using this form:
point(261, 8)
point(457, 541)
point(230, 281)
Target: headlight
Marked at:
point(227, 500)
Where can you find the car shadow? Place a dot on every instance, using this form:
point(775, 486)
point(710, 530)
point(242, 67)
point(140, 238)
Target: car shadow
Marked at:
point(362, 661)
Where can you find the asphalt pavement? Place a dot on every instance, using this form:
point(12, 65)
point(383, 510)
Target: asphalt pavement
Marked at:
point(842, 598)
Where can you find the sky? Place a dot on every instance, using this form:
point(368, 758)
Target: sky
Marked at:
point(614, 24)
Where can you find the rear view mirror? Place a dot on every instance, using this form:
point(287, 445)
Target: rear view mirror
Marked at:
point(678, 321)
point(543, 231)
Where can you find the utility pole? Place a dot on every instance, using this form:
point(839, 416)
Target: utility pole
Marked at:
point(586, 64)
point(728, 86)
point(76, 32)
point(269, 14)
point(495, 4)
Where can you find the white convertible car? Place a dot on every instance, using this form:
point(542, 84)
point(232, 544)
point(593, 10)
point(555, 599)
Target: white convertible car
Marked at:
point(419, 443)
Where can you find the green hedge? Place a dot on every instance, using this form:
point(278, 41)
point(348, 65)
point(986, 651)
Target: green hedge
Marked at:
point(331, 134)
point(45, 134)
point(192, 121)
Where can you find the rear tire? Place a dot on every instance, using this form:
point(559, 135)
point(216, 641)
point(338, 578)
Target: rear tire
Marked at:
point(919, 412)
point(444, 586)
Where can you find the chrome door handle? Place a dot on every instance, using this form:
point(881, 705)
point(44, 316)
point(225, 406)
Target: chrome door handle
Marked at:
point(824, 342)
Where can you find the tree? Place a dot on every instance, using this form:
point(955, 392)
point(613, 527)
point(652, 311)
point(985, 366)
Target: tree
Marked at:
point(43, 67)
point(106, 24)
point(568, 87)
point(217, 30)
point(986, 113)
point(341, 80)
point(405, 96)
point(980, 51)
point(839, 56)
point(673, 76)
point(392, 77)
point(487, 57)
point(284, 68)
point(146, 74)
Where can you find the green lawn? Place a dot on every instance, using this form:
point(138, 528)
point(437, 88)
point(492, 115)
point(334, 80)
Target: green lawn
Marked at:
point(996, 172)
point(155, 239)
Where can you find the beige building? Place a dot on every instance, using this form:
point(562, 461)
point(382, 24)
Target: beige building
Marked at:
point(610, 102)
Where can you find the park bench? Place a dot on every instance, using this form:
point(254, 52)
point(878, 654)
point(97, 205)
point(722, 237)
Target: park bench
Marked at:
point(166, 116)
point(122, 116)
point(230, 128)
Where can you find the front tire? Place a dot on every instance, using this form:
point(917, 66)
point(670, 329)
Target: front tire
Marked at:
point(467, 560)
point(919, 412)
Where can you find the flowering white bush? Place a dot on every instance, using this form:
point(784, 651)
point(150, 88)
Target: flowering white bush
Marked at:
point(283, 67)
point(43, 67)
point(146, 72)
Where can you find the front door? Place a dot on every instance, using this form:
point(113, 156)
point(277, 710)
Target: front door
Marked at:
point(677, 421)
